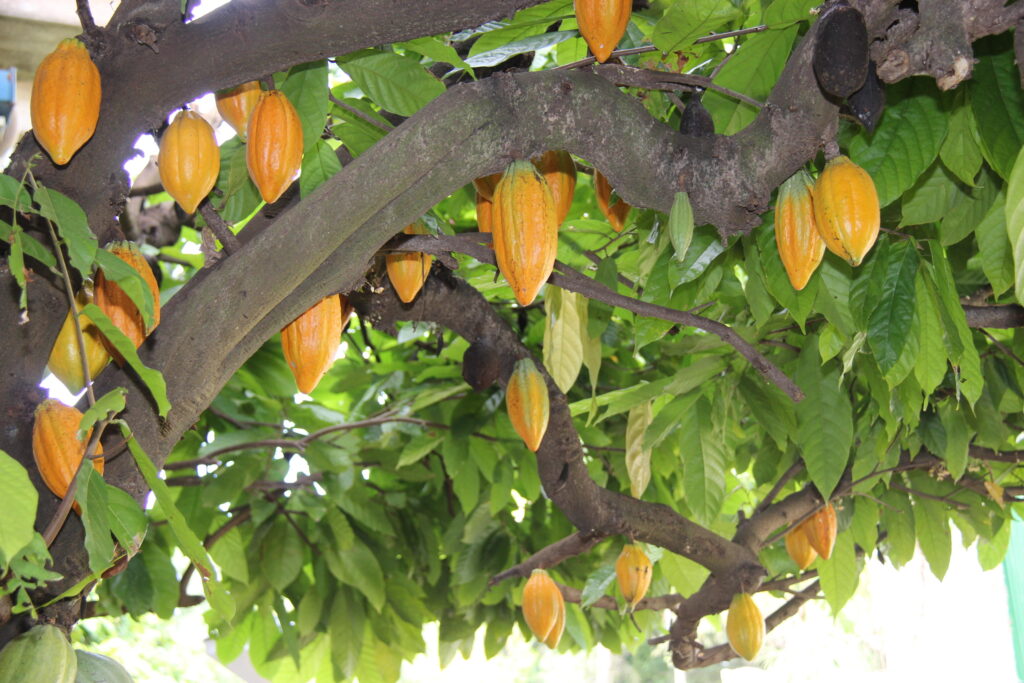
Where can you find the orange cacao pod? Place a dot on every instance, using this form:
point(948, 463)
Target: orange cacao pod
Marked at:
point(56, 447)
point(273, 152)
point(525, 225)
point(484, 206)
point(800, 246)
point(846, 209)
point(311, 340)
point(821, 528)
point(65, 100)
point(559, 170)
point(189, 159)
point(486, 185)
point(408, 271)
point(235, 105)
point(544, 608)
point(799, 547)
point(526, 398)
point(633, 571)
point(615, 213)
point(602, 24)
point(66, 361)
point(745, 626)
point(118, 306)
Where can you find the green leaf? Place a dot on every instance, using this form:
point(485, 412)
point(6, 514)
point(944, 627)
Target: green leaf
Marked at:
point(998, 106)
point(840, 573)
point(518, 47)
point(20, 500)
point(992, 551)
point(91, 494)
point(824, 432)
point(358, 567)
point(346, 631)
point(958, 439)
point(898, 521)
point(563, 343)
point(240, 194)
point(685, 22)
point(890, 321)
point(130, 281)
point(437, 50)
point(127, 520)
point(531, 21)
point(994, 246)
point(931, 522)
point(305, 86)
point(960, 152)
point(704, 460)
point(397, 84)
point(318, 165)
point(12, 193)
point(969, 208)
point(72, 225)
point(1014, 215)
point(930, 198)
point(680, 224)
point(282, 554)
point(683, 574)
point(110, 402)
point(597, 584)
point(638, 458)
point(770, 407)
point(930, 367)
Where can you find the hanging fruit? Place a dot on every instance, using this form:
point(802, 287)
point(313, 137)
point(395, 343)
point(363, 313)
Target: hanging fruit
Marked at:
point(42, 654)
point(235, 105)
point(745, 626)
point(485, 185)
point(310, 341)
point(846, 209)
point(56, 447)
point(525, 225)
point(409, 270)
point(633, 571)
point(800, 246)
point(821, 529)
point(65, 102)
point(602, 24)
point(118, 306)
point(65, 360)
point(273, 152)
point(526, 398)
point(544, 608)
point(484, 207)
point(189, 160)
point(615, 213)
point(799, 547)
point(559, 170)
point(841, 51)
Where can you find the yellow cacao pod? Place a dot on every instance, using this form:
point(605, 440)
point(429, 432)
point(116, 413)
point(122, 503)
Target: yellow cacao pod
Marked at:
point(800, 246)
point(189, 159)
point(821, 529)
point(602, 24)
point(846, 209)
point(408, 271)
point(615, 213)
point(486, 185)
point(559, 170)
point(544, 608)
point(65, 100)
point(235, 105)
point(745, 626)
point(484, 206)
point(525, 225)
point(633, 571)
point(118, 306)
point(66, 361)
point(273, 152)
point(310, 341)
point(56, 447)
point(799, 547)
point(526, 398)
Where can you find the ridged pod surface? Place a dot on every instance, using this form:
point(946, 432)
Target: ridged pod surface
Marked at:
point(633, 571)
point(484, 209)
point(800, 246)
point(310, 341)
point(56, 448)
point(526, 398)
point(544, 608)
point(65, 100)
point(189, 159)
point(118, 306)
point(559, 170)
point(615, 213)
point(745, 626)
point(273, 152)
point(846, 209)
point(485, 185)
point(409, 270)
point(799, 547)
point(235, 105)
point(821, 529)
point(97, 668)
point(41, 654)
point(602, 24)
point(66, 362)
point(525, 225)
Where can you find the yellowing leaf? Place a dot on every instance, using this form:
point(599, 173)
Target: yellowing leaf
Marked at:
point(638, 458)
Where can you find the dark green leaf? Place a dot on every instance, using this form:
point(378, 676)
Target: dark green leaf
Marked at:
point(890, 321)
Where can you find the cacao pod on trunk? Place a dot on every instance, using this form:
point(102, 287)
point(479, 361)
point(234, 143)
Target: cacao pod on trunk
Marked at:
point(310, 341)
point(821, 529)
point(799, 547)
point(800, 246)
point(65, 102)
point(525, 225)
point(485, 185)
point(235, 105)
point(97, 668)
point(544, 608)
point(273, 152)
point(40, 655)
point(409, 270)
point(56, 447)
point(66, 361)
point(559, 170)
point(602, 24)
point(633, 571)
point(841, 53)
point(615, 213)
point(118, 306)
point(526, 398)
point(189, 160)
point(484, 208)
point(745, 626)
point(846, 209)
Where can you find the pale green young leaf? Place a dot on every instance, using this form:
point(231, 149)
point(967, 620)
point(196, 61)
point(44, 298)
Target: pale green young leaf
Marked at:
point(20, 500)
point(563, 343)
point(638, 458)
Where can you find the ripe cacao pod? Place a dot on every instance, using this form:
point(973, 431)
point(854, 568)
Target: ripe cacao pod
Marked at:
point(486, 184)
point(65, 101)
point(799, 547)
point(118, 306)
point(42, 654)
point(65, 361)
point(484, 207)
point(311, 340)
point(841, 51)
point(544, 608)
point(189, 159)
point(745, 626)
point(615, 213)
point(273, 152)
point(526, 398)
point(559, 170)
point(525, 224)
point(235, 105)
point(97, 668)
point(56, 447)
point(846, 209)
point(633, 571)
point(602, 24)
point(409, 270)
point(821, 529)
point(800, 246)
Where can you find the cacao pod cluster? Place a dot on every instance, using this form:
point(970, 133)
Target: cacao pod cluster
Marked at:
point(526, 398)
point(273, 152)
point(796, 234)
point(56, 448)
point(409, 270)
point(633, 571)
point(815, 536)
point(544, 608)
point(189, 159)
point(310, 341)
point(65, 103)
point(119, 307)
point(602, 24)
point(745, 626)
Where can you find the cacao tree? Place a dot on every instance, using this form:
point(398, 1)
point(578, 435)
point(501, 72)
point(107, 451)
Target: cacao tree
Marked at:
point(720, 408)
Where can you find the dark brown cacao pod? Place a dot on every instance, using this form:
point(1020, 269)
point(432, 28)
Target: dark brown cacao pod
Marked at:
point(481, 365)
point(866, 105)
point(841, 53)
point(696, 120)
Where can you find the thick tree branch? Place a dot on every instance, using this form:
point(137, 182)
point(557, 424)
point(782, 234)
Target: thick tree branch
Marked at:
point(998, 316)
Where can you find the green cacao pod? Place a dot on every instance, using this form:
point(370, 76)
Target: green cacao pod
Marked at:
point(544, 608)
point(40, 655)
point(796, 234)
point(633, 571)
point(846, 209)
point(65, 100)
point(189, 160)
point(526, 398)
point(745, 626)
point(96, 668)
point(602, 24)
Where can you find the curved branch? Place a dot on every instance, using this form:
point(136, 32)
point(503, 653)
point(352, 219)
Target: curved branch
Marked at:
point(554, 554)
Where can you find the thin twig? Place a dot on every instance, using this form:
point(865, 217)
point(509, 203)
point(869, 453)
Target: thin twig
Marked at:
point(551, 555)
point(793, 470)
point(341, 104)
point(651, 79)
point(1002, 347)
point(650, 48)
point(229, 240)
point(85, 17)
point(921, 494)
point(61, 515)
